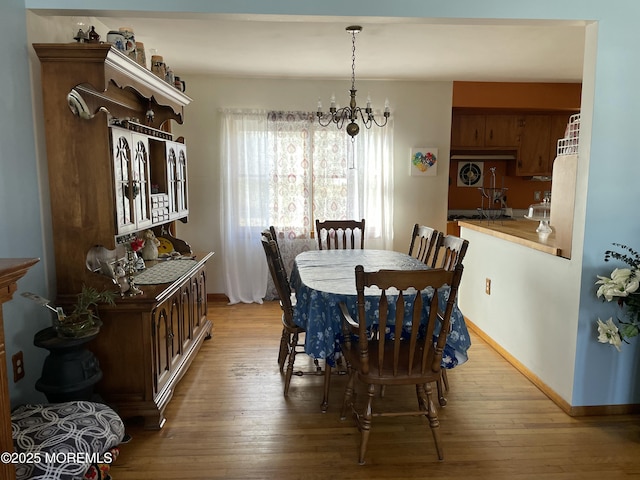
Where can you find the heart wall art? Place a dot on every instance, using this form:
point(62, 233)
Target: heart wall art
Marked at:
point(424, 162)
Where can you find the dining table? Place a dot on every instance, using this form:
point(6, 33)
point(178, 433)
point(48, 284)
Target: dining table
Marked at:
point(322, 279)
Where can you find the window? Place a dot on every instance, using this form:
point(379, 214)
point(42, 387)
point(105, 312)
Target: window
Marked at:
point(284, 169)
point(308, 174)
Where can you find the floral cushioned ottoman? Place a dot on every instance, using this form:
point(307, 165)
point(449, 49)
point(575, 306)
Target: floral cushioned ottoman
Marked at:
point(65, 441)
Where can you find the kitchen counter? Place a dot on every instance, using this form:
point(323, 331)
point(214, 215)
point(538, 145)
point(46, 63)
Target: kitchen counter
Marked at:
point(522, 232)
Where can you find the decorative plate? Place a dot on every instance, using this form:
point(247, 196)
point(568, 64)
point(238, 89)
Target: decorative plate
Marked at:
point(165, 246)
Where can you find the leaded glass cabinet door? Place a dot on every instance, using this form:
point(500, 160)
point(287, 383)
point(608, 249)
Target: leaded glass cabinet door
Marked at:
point(121, 151)
point(172, 183)
point(140, 180)
point(181, 181)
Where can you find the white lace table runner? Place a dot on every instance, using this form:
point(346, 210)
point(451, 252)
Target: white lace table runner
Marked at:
point(165, 272)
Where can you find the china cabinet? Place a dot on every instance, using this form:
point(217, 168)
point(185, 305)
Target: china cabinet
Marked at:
point(147, 343)
point(132, 182)
point(116, 170)
point(171, 159)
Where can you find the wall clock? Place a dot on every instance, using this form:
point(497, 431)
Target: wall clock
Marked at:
point(470, 174)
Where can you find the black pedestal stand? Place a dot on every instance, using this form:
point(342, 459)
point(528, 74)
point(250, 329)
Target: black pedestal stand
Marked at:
point(70, 371)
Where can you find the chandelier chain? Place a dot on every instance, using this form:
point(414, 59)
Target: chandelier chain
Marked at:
point(353, 60)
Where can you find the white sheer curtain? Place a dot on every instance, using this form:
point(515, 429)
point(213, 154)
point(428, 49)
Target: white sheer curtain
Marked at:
point(283, 169)
point(245, 204)
point(373, 172)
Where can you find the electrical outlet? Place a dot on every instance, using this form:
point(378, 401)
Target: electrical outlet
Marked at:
point(18, 366)
point(487, 286)
point(537, 196)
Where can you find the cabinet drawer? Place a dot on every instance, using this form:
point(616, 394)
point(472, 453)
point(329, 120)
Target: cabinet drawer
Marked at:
point(159, 200)
point(160, 215)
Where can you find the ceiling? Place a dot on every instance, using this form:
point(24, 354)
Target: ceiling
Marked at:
point(387, 48)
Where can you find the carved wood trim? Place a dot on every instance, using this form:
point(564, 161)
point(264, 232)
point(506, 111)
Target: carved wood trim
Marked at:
point(119, 69)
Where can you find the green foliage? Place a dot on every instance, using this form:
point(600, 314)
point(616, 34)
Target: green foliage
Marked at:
point(90, 298)
point(632, 259)
point(628, 330)
point(83, 320)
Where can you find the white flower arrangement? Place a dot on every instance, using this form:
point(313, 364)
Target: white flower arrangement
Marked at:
point(622, 285)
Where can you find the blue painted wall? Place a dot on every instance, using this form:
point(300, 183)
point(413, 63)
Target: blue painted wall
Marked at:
point(20, 211)
point(602, 376)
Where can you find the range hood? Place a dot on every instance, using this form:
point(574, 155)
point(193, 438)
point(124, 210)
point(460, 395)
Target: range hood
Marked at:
point(488, 156)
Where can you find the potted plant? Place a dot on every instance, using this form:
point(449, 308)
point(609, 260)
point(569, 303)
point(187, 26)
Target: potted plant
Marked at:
point(83, 321)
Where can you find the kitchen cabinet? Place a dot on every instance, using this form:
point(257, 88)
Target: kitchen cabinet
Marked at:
point(453, 228)
point(502, 131)
point(467, 130)
point(485, 131)
point(533, 155)
point(532, 136)
point(538, 143)
point(115, 170)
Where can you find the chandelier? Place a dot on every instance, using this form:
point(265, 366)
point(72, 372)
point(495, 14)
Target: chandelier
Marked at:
point(350, 114)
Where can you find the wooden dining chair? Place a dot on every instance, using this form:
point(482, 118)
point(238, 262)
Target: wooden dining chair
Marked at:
point(274, 237)
point(410, 357)
point(285, 338)
point(449, 253)
point(335, 234)
point(271, 234)
point(290, 340)
point(424, 244)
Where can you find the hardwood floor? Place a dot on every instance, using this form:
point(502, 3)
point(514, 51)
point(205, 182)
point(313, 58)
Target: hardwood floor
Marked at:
point(229, 420)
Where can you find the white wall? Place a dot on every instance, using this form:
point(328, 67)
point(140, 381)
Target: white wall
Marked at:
point(422, 117)
point(529, 312)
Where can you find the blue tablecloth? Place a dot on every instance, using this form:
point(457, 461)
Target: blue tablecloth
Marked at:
point(324, 278)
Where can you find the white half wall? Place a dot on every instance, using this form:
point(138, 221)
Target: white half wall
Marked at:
point(532, 311)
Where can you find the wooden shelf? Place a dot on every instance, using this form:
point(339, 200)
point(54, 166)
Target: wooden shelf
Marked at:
point(119, 68)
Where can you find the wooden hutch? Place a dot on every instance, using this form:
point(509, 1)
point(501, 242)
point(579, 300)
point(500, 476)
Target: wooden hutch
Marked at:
point(114, 171)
